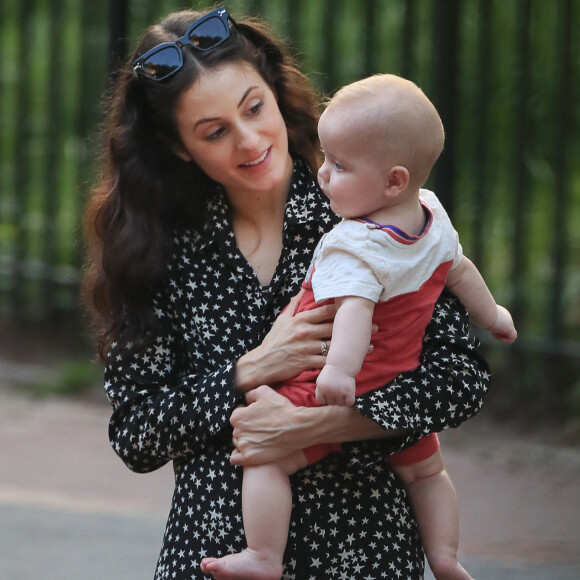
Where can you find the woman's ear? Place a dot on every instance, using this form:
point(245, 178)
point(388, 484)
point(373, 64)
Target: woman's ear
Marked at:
point(397, 180)
point(181, 153)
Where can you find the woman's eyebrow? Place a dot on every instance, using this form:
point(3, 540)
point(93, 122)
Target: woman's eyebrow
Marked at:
point(246, 93)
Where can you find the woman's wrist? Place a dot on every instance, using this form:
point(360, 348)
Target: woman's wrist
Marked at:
point(335, 424)
point(250, 371)
point(245, 374)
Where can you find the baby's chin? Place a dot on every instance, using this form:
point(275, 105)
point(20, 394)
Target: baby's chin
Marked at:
point(342, 213)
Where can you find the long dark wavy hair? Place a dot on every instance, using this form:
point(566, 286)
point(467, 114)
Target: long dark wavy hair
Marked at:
point(147, 192)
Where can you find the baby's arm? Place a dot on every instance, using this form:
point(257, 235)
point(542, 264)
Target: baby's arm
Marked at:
point(351, 334)
point(468, 285)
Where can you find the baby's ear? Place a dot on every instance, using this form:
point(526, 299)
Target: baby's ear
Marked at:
point(397, 180)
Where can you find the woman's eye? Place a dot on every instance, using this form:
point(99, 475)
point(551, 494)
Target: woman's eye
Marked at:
point(215, 134)
point(256, 108)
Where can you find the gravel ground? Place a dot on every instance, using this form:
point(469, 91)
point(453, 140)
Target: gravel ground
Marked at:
point(70, 509)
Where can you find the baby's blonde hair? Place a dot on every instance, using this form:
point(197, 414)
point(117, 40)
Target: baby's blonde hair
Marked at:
point(397, 119)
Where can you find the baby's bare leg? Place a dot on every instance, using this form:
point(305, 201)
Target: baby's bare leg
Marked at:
point(266, 508)
point(434, 503)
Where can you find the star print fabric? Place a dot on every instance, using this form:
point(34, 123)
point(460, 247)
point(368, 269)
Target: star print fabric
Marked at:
point(173, 398)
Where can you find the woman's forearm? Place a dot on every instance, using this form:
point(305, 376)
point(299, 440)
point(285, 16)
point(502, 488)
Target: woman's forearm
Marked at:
point(250, 372)
point(291, 346)
point(270, 427)
point(336, 424)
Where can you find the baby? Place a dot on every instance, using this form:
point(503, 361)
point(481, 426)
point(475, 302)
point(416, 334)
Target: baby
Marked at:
point(385, 264)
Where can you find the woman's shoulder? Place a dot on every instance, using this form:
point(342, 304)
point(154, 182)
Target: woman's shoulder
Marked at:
point(215, 222)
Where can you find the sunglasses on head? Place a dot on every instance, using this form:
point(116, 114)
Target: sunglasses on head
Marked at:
point(164, 60)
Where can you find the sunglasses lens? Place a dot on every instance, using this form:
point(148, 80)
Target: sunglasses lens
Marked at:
point(162, 63)
point(209, 33)
point(166, 59)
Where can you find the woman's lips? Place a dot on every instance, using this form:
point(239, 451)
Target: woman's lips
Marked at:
point(258, 160)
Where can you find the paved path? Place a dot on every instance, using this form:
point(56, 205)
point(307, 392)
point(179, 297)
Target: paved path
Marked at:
point(69, 509)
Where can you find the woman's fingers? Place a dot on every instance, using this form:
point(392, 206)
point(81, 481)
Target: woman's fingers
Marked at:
point(236, 458)
point(263, 393)
point(293, 305)
point(324, 347)
point(260, 427)
point(298, 341)
point(321, 314)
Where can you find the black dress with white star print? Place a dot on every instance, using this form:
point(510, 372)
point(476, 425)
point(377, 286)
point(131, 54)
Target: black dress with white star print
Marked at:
point(172, 401)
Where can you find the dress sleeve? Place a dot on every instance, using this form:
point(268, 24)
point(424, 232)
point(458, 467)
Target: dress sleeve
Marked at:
point(160, 412)
point(447, 388)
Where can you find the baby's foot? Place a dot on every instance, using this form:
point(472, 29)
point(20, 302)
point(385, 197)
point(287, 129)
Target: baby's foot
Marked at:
point(242, 566)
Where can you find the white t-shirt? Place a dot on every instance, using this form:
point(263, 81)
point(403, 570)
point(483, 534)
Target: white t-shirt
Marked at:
point(359, 258)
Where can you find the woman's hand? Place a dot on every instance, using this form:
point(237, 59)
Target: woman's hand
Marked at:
point(263, 429)
point(270, 427)
point(293, 345)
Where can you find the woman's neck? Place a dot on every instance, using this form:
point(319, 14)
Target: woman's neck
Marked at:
point(259, 239)
point(259, 207)
point(258, 221)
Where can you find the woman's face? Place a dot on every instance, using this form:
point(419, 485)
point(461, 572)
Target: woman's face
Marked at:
point(230, 125)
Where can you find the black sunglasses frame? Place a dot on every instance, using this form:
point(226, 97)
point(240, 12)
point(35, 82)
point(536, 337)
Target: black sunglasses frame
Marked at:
point(185, 40)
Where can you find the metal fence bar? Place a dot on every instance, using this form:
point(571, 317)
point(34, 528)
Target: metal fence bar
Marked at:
point(21, 172)
point(446, 50)
point(522, 136)
point(407, 61)
point(481, 136)
point(370, 21)
point(294, 15)
point(563, 99)
point(256, 7)
point(91, 81)
point(118, 26)
point(53, 145)
point(332, 12)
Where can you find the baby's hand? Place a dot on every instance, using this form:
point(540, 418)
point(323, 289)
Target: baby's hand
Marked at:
point(504, 328)
point(334, 387)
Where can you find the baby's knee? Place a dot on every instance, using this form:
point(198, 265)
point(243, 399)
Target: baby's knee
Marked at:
point(423, 469)
point(292, 463)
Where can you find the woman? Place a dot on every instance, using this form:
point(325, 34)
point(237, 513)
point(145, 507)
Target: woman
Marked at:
point(199, 235)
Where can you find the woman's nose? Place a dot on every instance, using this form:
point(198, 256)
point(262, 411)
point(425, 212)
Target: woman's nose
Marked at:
point(248, 138)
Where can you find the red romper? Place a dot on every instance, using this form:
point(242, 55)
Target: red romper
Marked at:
point(404, 275)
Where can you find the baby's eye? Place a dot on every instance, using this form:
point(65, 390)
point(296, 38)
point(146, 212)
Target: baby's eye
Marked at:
point(338, 166)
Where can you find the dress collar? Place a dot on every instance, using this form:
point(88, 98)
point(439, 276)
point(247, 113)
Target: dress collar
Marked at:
point(306, 202)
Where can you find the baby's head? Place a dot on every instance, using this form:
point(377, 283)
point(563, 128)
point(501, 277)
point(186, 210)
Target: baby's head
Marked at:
point(391, 116)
